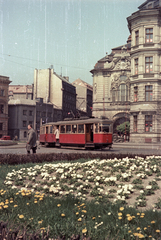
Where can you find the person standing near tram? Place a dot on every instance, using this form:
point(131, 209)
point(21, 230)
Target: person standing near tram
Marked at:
point(57, 134)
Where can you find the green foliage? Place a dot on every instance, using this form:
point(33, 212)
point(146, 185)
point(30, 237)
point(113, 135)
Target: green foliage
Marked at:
point(124, 127)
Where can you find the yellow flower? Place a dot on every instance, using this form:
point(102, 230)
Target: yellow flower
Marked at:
point(139, 235)
point(93, 218)
point(145, 228)
point(129, 218)
point(79, 219)
point(150, 236)
point(63, 215)
point(5, 206)
point(120, 218)
point(77, 213)
point(11, 201)
point(35, 201)
point(84, 211)
point(142, 216)
point(58, 205)
point(27, 203)
point(21, 216)
point(40, 221)
point(129, 231)
point(121, 208)
point(84, 230)
point(138, 228)
point(119, 214)
point(2, 204)
point(128, 215)
point(41, 198)
point(152, 222)
point(15, 206)
point(158, 231)
point(138, 213)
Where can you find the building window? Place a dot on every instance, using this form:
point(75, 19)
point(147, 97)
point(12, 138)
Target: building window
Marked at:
point(123, 93)
point(30, 122)
point(135, 94)
point(1, 108)
point(137, 37)
point(1, 126)
point(25, 134)
point(113, 95)
point(148, 123)
point(149, 35)
point(38, 114)
point(24, 112)
point(148, 93)
point(49, 114)
point(135, 123)
point(24, 124)
point(2, 92)
point(149, 64)
point(30, 113)
point(136, 66)
point(43, 114)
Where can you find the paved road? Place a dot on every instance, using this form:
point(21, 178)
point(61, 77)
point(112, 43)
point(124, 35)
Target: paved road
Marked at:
point(117, 148)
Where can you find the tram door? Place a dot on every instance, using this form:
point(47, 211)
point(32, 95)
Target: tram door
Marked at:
point(89, 132)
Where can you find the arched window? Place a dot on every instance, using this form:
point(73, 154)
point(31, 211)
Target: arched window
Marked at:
point(123, 93)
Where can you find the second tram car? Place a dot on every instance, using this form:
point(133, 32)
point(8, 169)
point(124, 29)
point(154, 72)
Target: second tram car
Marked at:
point(88, 133)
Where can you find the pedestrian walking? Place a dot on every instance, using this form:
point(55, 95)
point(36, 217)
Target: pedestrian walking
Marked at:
point(31, 140)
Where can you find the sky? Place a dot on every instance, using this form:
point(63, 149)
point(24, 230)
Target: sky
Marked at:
point(71, 35)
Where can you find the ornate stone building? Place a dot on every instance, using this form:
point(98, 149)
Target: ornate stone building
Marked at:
point(4, 84)
point(111, 85)
point(127, 83)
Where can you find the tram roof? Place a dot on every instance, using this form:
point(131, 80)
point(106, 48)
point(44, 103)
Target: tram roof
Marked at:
point(80, 121)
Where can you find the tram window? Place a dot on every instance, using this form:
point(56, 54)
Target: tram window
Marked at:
point(96, 128)
point(104, 128)
point(51, 129)
point(81, 128)
point(74, 128)
point(62, 129)
point(42, 130)
point(68, 128)
point(46, 129)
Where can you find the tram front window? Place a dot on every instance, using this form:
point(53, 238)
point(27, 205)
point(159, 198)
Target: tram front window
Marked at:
point(96, 128)
point(104, 128)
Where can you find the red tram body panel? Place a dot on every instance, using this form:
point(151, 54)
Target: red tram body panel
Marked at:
point(88, 133)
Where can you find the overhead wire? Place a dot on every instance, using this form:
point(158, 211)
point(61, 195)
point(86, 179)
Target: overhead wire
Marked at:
point(39, 61)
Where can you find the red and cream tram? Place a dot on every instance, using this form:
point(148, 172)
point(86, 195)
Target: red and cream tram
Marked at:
point(88, 133)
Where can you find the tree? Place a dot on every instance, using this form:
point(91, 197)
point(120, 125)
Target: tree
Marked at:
point(124, 128)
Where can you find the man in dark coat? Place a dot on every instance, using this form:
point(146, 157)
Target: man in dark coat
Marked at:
point(31, 140)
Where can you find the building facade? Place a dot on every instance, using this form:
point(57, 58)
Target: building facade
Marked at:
point(20, 91)
point(84, 98)
point(145, 82)
point(55, 89)
point(4, 85)
point(127, 82)
point(21, 112)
